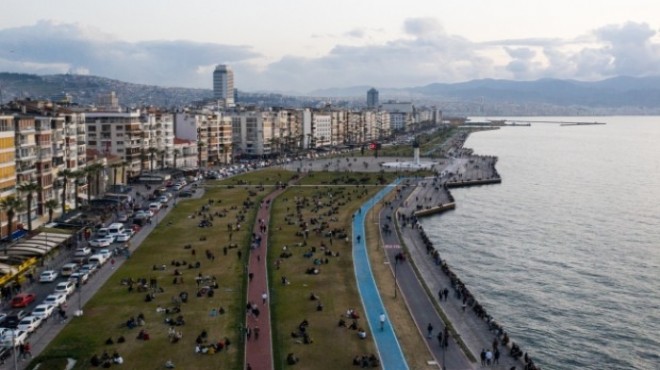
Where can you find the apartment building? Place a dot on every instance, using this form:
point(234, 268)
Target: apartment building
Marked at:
point(118, 133)
point(7, 166)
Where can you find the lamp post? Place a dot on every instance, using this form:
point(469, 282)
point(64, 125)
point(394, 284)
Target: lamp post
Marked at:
point(396, 263)
point(80, 311)
point(13, 343)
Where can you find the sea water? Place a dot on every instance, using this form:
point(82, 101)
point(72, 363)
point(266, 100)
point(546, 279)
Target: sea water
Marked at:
point(565, 252)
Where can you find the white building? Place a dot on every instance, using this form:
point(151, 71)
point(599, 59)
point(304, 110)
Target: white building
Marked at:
point(223, 85)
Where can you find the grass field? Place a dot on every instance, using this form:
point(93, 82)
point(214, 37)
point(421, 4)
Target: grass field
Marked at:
point(318, 210)
point(325, 202)
point(113, 305)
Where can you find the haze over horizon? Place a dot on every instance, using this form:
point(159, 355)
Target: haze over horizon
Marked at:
point(298, 46)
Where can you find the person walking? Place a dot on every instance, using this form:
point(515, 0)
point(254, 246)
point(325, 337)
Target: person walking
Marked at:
point(440, 338)
point(382, 321)
point(429, 329)
point(264, 297)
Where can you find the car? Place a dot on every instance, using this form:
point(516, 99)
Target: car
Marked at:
point(23, 300)
point(13, 338)
point(163, 199)
point(83, 251)
point(186, 194)
point(11, 321)
point(3, 316)
point(162, 189)
point(102, 232)
point(48, 276)
point(107, 253)
point(65, 287)
point(30, 323)
point(154, 207)
point(69, 269)
point(43, 310)
point(122, 217)
point(88, 268)
point(177, 187)
point(124, 237)
point(55, 299)
point(103, 242)
point(79, 277)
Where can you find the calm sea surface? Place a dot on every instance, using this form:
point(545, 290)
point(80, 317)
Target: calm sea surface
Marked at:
point(565, 253)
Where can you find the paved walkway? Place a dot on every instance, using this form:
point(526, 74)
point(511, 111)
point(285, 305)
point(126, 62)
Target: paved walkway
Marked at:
point(474, 332)
point(259, 347)
point(389, 350)
point(412, 291)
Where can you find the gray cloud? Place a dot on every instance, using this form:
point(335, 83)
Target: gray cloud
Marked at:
point(48, 47)
point(426, 54)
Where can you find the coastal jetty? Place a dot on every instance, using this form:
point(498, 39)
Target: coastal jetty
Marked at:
point(561, 123)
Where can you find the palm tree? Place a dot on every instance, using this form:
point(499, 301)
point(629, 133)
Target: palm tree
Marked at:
point(11, 205)
point(78, 175)
point(143, 158)
point(93, 172)
point(65, 174)
point(124, 164)
point(163, 154)
point(115, 166)
point(176, 154)
point(51, 204)
point(200, 146)
point(152, 156)
point(29, 188)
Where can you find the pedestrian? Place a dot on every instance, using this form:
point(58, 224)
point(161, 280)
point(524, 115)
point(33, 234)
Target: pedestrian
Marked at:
point(429, 329)
point(112, 264)
point(256, 333)
point(250, 276)
point(264, 297)
point(248, 332)
point(382, 321)
point(483, 357)
point(440, 338)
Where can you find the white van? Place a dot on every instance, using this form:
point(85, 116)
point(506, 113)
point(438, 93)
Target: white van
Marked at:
point(114, 230)
point(69, 269)
point(99, 259)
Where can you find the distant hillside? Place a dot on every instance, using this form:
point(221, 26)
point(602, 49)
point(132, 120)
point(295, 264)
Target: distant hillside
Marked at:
point(86, 89)
point(611, 93)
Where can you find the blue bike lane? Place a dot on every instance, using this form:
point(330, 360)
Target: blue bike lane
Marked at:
point(389, 349)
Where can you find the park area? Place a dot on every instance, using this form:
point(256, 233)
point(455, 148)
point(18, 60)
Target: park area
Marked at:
point(185, 287)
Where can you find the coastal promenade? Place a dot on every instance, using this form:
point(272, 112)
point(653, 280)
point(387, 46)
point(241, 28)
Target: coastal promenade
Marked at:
point(475, 332)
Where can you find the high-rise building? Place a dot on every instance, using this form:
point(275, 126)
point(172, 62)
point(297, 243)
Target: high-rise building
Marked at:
point(372, 98)
point(223, 85)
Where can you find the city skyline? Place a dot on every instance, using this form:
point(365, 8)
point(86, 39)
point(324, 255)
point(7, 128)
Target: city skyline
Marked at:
point(300, 47)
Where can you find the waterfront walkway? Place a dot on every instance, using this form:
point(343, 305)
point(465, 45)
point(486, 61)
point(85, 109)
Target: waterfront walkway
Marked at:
point(389, 350)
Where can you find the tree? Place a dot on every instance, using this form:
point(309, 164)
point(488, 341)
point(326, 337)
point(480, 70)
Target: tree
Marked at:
point(93, 171)
point(124, 164)
point(11, 205)
point(176, 154)
point(29, 188)
point(152, 157)
point(78, 175)
point(51, 204)
point(143, 158)
point(163, 154)
point(115, 166)
point(65, 174)
point(200, 146)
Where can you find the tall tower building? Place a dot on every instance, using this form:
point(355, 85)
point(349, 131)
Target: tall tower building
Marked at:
point(372, 98)
point(223, 85)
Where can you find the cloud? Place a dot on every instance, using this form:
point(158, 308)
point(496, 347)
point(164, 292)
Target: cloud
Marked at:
point(51, 47)
point(423, 54)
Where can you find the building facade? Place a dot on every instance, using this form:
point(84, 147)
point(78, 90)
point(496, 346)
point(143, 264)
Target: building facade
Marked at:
point(223, 85)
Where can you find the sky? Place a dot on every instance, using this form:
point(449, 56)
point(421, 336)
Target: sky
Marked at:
point(304, 45)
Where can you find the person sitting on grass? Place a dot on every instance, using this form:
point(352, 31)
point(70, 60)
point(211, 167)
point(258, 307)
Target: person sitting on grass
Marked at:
point(362, 334)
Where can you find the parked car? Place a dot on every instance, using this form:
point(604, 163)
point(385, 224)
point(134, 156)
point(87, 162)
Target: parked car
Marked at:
point(103, 242)
point(83, 251)
point(79, 278)
point(55, 299)
point(65, 287)
point(12, 320)
point(124, 237)
point(30, 323)
point(13, 338)
point(107, 253)
point(69, 269)
point(3, 316)
point(163, 199)
point(23, 300)
point(185, 194)
point(88, 268)
point(154, 207)
point(43, 310)
point(48, 276)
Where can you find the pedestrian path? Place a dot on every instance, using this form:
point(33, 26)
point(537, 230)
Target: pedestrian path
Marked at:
point(259, 345)
point(387, 344)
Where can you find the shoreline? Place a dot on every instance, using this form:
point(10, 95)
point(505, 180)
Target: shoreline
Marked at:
point(432, 197)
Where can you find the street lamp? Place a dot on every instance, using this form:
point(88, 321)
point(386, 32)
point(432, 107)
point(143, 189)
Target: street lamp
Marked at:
point(79, 312)
point(13, 344)
point(396, 263)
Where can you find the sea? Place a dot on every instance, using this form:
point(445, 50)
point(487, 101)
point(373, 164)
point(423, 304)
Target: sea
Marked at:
point(565, 252)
